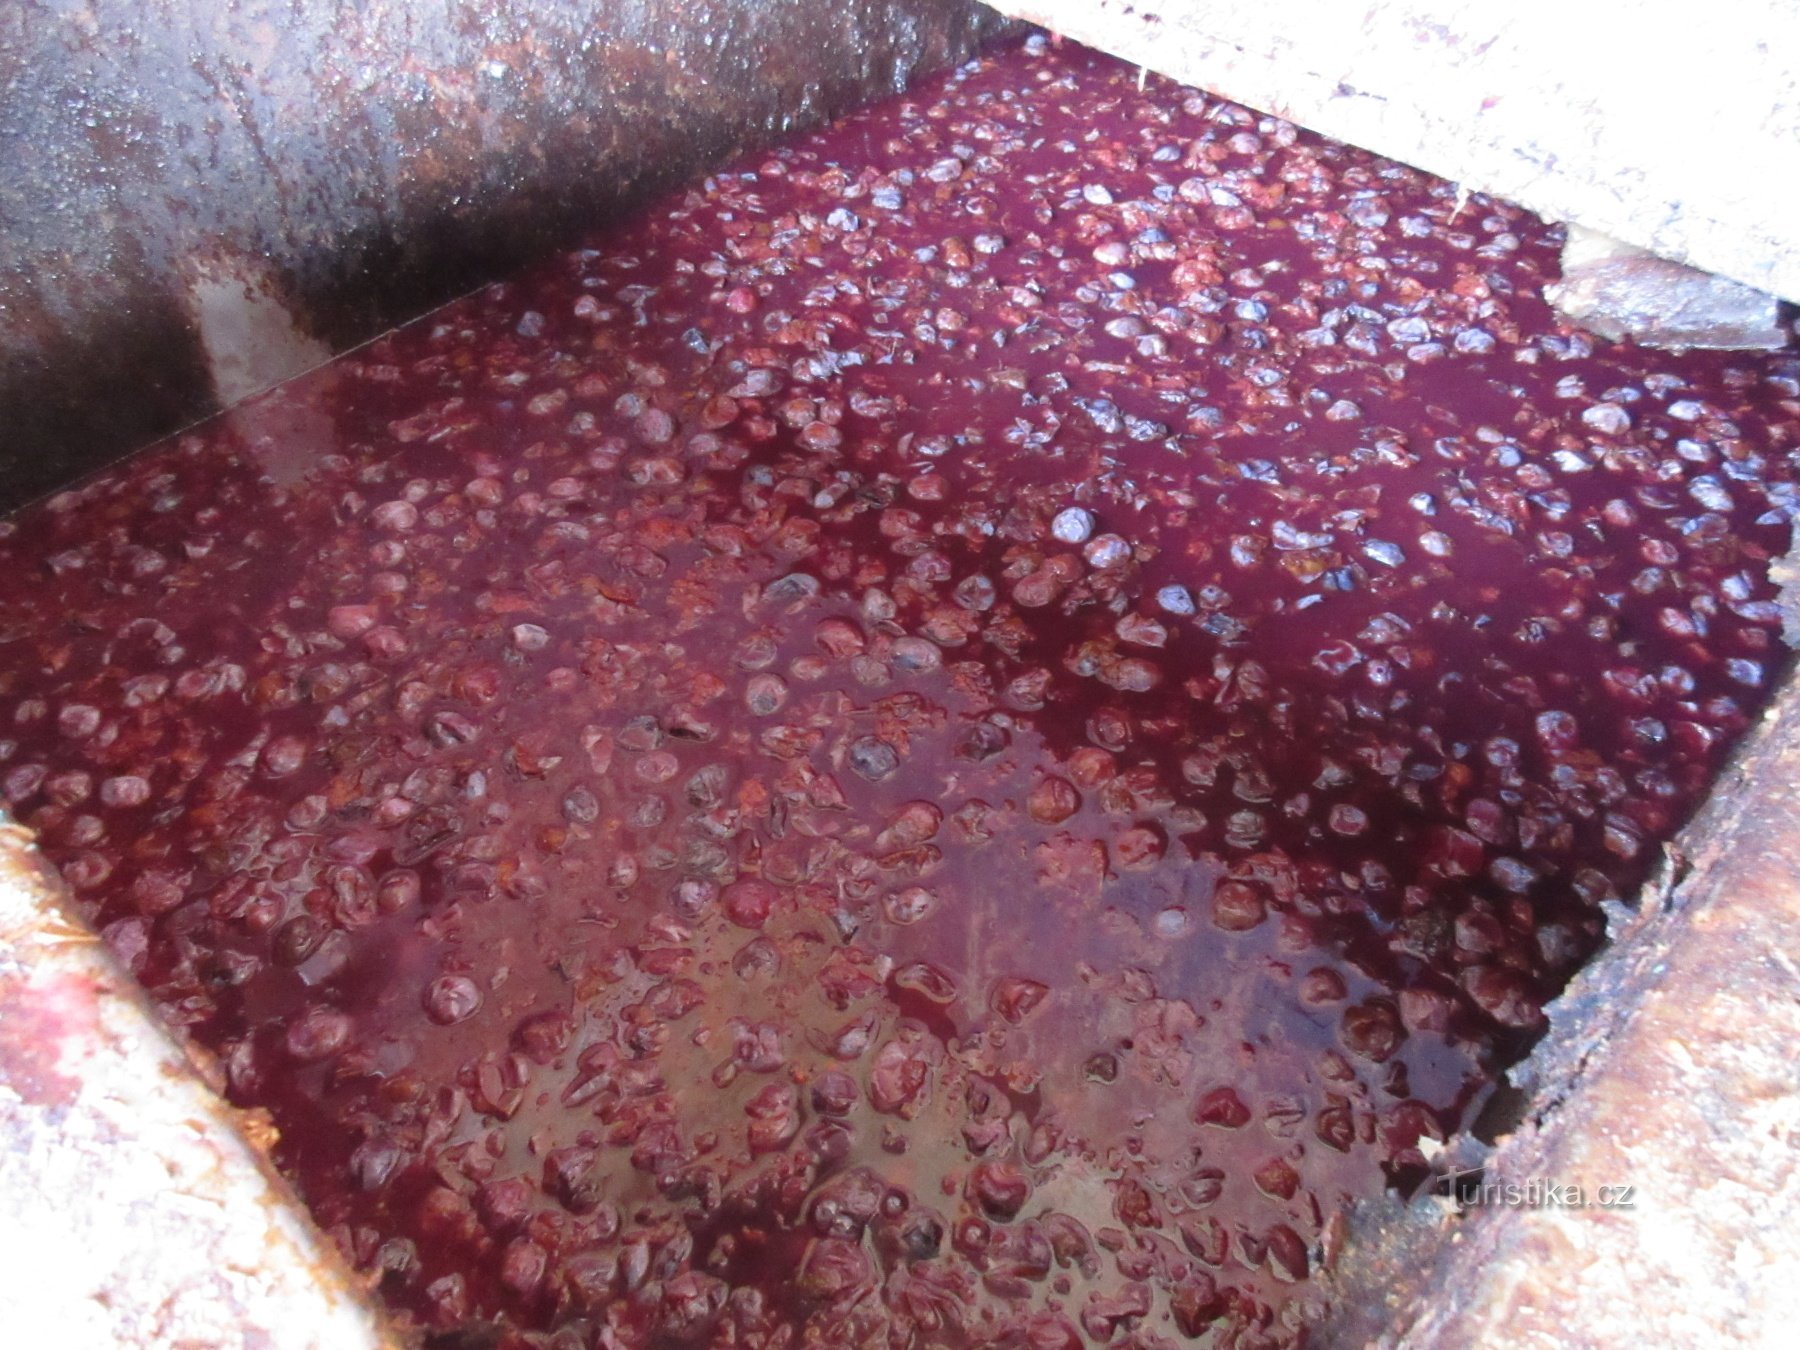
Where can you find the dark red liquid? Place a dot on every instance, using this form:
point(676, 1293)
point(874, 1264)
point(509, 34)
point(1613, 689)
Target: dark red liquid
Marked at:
point(625, 772)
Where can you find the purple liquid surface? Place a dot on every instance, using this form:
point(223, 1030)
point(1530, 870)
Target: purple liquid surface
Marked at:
point(625, 771)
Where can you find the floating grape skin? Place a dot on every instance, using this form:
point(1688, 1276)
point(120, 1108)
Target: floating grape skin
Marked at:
point(957, 736)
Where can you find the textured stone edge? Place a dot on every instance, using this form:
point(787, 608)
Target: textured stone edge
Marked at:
point(1618, 291)
point(139, 1208)
point(1538, 102)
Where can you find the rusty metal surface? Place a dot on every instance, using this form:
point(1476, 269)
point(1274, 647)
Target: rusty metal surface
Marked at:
point(202, 197)
point(134, 1208)
point(1670, 1069)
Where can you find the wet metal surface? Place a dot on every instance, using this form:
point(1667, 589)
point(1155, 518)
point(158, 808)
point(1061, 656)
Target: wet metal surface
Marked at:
point(352, 166)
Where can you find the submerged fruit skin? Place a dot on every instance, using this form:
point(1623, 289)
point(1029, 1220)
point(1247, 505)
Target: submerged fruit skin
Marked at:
point(956, 736)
